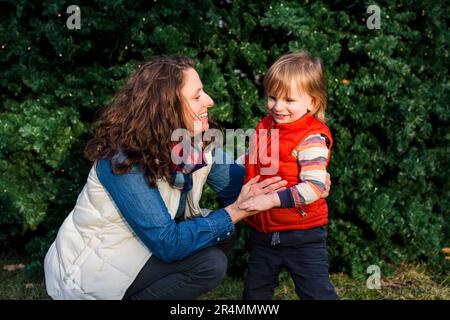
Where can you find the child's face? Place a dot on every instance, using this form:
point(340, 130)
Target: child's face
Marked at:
point(290, 108)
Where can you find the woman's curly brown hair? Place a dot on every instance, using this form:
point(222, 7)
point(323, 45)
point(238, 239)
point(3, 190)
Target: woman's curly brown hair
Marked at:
point(141, 119)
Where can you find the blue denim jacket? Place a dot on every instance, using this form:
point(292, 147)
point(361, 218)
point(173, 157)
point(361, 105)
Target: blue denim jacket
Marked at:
point(144, 210)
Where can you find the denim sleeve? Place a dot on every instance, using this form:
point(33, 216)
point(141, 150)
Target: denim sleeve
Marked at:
point(226, 177)
point(144, 210)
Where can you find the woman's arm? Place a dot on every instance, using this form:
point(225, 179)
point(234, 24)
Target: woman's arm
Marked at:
point(147, 215)
point(226, 177)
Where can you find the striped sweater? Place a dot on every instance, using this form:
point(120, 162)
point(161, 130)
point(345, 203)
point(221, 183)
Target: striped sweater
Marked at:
point(312, 156)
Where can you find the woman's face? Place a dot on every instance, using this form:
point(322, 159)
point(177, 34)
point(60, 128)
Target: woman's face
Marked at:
point(196, 100)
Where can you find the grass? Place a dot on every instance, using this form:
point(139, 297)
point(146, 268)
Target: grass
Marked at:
point(409, 282)
point(15, 284)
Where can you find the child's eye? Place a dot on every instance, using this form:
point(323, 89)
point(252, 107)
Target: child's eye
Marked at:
point(271, 97)
point(197, 98)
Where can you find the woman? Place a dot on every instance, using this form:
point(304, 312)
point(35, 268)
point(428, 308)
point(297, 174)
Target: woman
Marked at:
point(137, 231)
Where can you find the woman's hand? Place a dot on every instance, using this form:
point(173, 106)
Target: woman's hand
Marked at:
point(254, 188)
point(251, 189)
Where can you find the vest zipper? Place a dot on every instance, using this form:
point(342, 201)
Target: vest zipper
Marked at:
point(303, 213)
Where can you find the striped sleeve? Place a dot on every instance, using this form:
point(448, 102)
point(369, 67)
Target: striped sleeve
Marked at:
point(312, 156)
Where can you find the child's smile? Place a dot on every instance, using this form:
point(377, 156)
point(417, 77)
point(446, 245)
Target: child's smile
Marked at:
point(280, 117)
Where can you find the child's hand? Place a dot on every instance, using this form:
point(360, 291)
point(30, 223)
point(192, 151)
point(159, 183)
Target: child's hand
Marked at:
point(253, 189)
point(261, 202)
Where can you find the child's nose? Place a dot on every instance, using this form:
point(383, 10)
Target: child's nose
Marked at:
point(278, 106)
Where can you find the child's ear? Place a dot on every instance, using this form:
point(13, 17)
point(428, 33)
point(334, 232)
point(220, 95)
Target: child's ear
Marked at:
point(312, 106)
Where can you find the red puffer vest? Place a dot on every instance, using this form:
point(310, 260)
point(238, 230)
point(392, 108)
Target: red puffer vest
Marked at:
point(290, 135)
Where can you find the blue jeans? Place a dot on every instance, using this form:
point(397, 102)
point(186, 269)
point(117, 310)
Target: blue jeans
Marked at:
point(302, 252)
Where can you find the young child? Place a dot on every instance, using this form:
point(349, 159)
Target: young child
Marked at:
point(293, 233)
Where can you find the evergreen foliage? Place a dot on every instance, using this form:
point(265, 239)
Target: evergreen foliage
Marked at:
point(388, 94)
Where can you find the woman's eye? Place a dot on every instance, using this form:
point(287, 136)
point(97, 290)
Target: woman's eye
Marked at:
point(271, 97)
point(197, 98)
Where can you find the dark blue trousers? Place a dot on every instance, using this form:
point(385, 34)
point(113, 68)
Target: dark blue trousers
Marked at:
point(186, 279)
point(302, 252)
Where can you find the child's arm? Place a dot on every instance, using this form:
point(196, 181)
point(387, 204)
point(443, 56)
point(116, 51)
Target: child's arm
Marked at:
point(312, 156)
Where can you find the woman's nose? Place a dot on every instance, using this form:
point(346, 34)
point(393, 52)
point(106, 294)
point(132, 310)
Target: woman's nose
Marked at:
point(209, 102)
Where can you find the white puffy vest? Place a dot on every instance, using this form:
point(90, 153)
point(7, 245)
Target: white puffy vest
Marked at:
point(96, 255)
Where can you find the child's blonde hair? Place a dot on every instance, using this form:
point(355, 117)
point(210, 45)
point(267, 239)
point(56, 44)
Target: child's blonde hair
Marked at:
point(307, 71)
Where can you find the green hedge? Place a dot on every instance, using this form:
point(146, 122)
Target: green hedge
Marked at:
point(388, 107)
